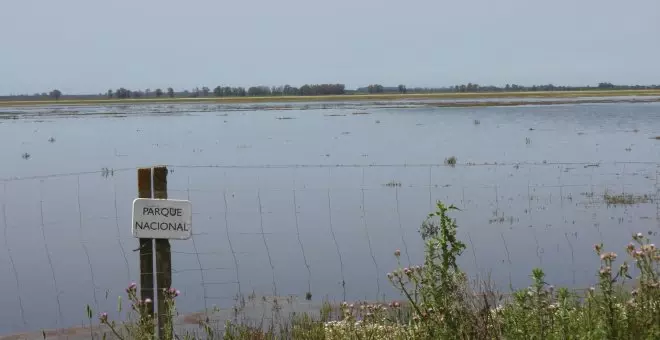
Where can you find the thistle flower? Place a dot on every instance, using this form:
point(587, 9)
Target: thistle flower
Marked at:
point(132, 287)
point(103, 317)
point(598, 247)
point(605, 270)
point(173, 292)
point(397, 253)
point(608, 256)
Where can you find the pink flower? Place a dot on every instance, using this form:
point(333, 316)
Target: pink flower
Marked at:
point(608, 256)
point(630, 248)
point(605, 270)
point(132, 287)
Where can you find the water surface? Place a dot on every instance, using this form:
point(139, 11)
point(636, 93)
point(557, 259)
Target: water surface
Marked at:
point(293, 198)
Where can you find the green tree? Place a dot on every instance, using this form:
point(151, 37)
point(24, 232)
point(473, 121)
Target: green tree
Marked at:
point(123, 93)
point(159, 93)
point(110, 94)
point(56, 94)
point(205, 91)
point(170, 92)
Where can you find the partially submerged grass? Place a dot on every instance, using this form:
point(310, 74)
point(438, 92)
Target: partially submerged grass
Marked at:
point(392, 184)
point(625, 199)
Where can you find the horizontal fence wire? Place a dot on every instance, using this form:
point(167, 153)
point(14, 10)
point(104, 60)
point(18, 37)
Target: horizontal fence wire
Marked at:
point(309, 231)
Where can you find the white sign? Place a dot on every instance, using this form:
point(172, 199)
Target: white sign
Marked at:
point(158, 218)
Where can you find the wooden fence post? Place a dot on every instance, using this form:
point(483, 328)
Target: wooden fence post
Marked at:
point(163, 259)
point(146, 244)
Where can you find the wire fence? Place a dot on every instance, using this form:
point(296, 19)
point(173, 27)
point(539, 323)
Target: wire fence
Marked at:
point(310, 231)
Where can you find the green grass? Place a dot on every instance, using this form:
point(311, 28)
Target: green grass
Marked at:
point(358, 97)
point(440, 302)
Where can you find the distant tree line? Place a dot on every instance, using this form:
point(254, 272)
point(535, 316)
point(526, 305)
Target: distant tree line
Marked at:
point(317, 90)
point(473, 87)
point(227, 91)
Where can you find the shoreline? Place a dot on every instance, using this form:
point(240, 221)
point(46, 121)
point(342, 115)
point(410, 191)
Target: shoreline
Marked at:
point(372, 97)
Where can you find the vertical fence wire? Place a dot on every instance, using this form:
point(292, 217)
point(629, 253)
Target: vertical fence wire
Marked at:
point(10, 256)
point(199, 261)
point(430, 187)
point(570, 246)
point(119, 241)
point(302, 248)
point(84, 244)
point(366, 231)
point(231, 246)
point(334, 239)
point(657, 198)
point(508, 258)
point(60, 315)
point(263, 237)
point(402, 232)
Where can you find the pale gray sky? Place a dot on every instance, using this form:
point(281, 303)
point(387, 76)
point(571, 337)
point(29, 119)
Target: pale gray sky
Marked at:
point(88, 46)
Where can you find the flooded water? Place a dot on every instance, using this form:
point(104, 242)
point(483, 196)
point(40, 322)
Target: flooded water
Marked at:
point(292, 198)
